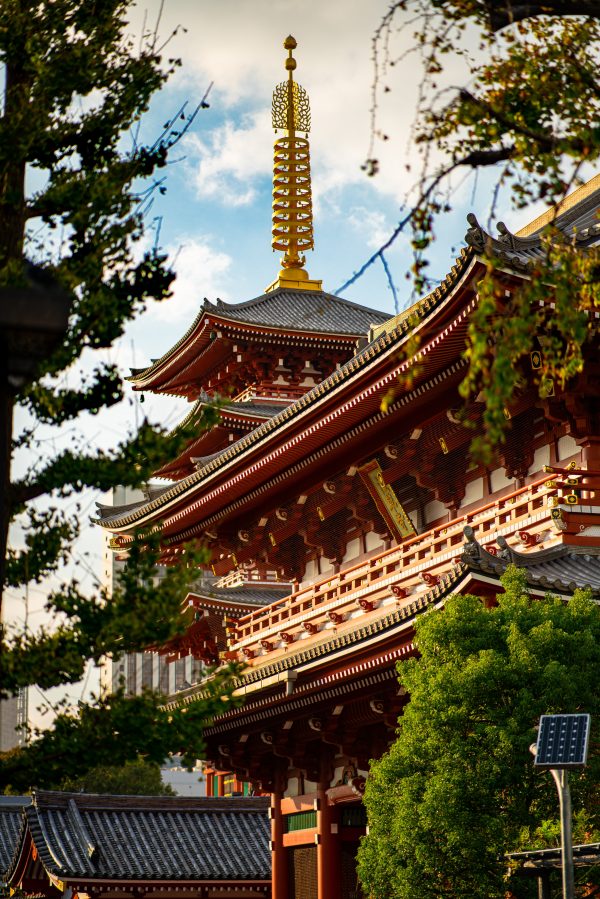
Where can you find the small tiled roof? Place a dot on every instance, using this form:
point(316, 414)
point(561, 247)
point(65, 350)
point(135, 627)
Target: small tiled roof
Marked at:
point(92, 837)
point(302, 310)
point(248, 414)
point(150, 493)
point(579, 222)
point(243, 594)
point(255, 410)
point(561, 569)
point(250, 407)
point(11, 815)
point(535, 860)
point(298, 311)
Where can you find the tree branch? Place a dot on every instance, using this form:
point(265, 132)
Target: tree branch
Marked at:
point(481, 158)
point(502, 13)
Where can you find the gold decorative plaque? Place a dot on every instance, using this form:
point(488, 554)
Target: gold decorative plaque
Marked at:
point(386, 500)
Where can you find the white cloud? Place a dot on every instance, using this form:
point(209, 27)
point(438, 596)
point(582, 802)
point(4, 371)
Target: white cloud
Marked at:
point(201, 272)
point(239, 46)
point(225, 163)
point(371, 224)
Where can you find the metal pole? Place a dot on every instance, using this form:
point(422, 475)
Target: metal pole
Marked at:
point(561, 779)
point(6, 415)
point(543, 881)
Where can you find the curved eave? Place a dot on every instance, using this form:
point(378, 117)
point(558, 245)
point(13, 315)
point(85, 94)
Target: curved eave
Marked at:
point(372, 371)
point(192, 354)
point(225, 414)
point(182, 466)
point(22, 855)
point(183, 885)
point(328, 650)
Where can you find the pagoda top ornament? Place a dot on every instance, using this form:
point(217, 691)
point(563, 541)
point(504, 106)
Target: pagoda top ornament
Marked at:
point(292, 196)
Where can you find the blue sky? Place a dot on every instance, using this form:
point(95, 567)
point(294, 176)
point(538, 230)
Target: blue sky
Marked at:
point(216, 214)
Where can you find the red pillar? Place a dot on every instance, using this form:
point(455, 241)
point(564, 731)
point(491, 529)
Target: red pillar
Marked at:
point(590, 458)
point(590, 452)
point(329, 875)
point(279, 858)
point(210, 783)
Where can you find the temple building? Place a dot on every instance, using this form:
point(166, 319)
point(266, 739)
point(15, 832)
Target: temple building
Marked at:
point(338, 502)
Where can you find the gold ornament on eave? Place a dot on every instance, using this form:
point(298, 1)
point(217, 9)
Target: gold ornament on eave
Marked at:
point(292, 196)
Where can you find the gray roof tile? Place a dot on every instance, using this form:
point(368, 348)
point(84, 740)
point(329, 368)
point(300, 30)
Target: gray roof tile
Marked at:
point(302, 310)
point(561, 569)
point(579, 223)
point(151, 838)
point(243, 594)
point(11, 816)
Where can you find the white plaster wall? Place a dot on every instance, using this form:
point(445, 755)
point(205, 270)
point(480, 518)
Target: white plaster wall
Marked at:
point(567, 447)
point(434, 510)
point(541, 458)
point(310, 571)
point(353, 549)
point(372, 541)
point(498, 480)
point(293, 787)
point(473, 492)
point(326, 567)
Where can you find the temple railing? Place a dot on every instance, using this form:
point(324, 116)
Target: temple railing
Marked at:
point(536, 513)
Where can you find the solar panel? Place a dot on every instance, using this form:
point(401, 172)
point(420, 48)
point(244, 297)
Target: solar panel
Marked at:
point(562, 741)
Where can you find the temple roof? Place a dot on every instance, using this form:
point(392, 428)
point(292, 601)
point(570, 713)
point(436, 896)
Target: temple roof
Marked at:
point(385, 344)
point(92, 837)
point(533, 861)
point(577, 210)
point(518, 254)
point(576, 217)
point(561, 569)
point(249, 409)
point(313, 313)
point(242, 416)
point(253, 409)
point(11, 815)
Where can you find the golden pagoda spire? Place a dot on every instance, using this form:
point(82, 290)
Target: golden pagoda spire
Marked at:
point(292, 200)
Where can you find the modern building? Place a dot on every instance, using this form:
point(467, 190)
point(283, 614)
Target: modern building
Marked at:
point(338, 502)
point(13, 720)
point(137, 671)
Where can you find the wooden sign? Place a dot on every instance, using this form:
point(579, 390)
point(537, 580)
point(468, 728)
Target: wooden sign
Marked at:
point(386, 500)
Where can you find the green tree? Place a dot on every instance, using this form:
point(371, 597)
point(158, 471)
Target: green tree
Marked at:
point(528, 109)
point(136, 778)
point(71, 201)
point(458, 788)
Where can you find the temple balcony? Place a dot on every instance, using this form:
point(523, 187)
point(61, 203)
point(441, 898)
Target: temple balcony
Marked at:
point(561, 508)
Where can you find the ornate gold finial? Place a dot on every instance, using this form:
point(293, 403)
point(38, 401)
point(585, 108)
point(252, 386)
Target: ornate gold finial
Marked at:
point(292, 200)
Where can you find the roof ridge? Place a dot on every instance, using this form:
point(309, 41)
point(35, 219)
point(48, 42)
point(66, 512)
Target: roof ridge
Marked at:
point(320, 294)
point(582, 196)
point(47, 799)
point(89, 847)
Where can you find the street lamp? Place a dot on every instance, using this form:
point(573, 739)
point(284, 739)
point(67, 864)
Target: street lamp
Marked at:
point(562, 744)
point(33, 320)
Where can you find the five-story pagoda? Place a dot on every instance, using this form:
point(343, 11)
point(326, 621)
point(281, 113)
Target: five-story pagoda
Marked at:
point(338, 501)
